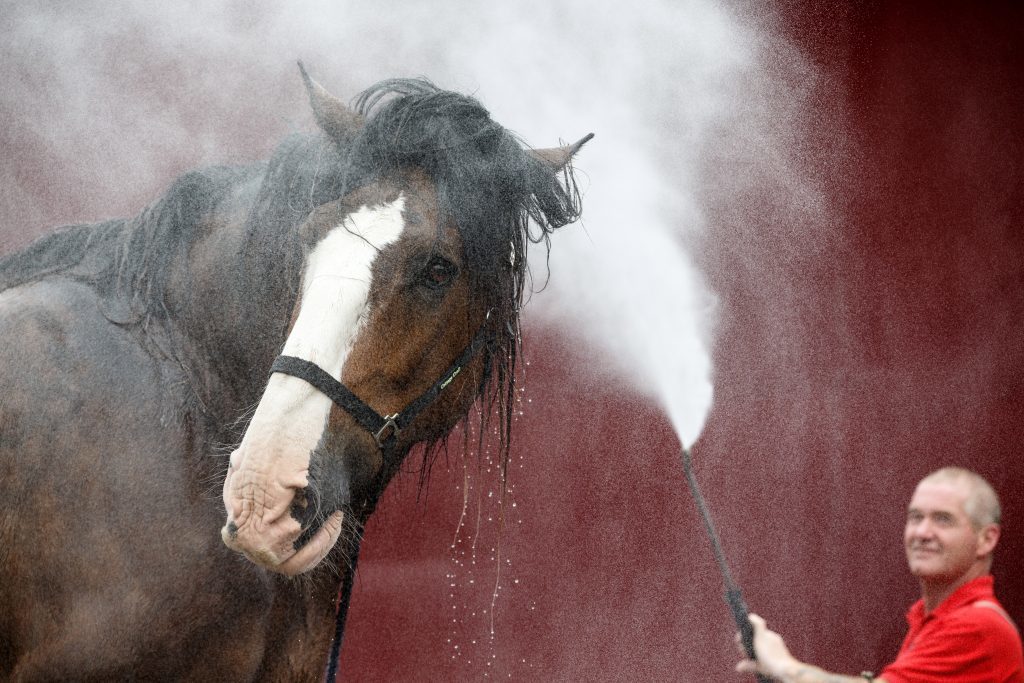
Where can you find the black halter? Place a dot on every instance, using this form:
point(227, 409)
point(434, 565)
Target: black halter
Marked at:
point(385, 429)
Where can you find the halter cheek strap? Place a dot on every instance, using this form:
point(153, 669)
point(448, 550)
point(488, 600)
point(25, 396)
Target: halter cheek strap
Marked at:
point(385, 429)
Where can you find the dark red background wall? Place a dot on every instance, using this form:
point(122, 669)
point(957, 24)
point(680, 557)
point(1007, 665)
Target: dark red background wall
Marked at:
point(843, 374)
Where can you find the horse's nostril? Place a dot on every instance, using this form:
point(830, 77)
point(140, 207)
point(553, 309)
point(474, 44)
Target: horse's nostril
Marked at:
point(229, 535)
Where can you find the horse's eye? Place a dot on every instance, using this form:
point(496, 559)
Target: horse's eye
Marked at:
point(439, 273)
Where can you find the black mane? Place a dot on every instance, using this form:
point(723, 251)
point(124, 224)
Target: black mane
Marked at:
point(496, 192)
point(126, 258)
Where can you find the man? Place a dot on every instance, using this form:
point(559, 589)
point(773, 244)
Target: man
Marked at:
point(958, 631)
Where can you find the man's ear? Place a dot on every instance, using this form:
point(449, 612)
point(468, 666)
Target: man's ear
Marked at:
point(988, 536)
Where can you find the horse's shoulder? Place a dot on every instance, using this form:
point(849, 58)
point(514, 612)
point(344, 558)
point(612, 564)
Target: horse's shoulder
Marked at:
point(59, 340)
point(46, 310)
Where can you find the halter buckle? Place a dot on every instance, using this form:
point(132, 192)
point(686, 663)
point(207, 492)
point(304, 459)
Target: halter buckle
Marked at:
point(389, 422)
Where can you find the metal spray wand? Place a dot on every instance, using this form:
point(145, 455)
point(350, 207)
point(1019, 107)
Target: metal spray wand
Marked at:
point(733, 596)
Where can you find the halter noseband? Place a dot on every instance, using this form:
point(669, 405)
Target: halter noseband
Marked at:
point(384, 429)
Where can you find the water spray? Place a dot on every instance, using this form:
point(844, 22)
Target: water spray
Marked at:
point(733, 595)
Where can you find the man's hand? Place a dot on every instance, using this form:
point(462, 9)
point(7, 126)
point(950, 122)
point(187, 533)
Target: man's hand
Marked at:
point(775, 661)
point(773, 657)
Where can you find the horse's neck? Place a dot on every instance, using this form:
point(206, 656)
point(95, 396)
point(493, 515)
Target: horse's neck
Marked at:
point(233, 299)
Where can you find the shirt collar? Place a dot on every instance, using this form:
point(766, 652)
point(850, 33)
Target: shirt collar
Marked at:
point(980, 588)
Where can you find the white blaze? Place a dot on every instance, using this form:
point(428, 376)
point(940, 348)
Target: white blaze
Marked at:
point(336, 286)
point(335, 289)
point(273, 458)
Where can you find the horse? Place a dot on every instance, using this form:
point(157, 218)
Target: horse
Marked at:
point(202, 404)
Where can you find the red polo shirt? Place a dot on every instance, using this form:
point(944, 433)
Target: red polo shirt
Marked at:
point(959, 641)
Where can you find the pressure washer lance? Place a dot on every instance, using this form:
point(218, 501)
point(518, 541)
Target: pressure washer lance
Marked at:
point(733, 596)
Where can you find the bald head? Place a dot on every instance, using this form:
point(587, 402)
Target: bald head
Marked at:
point(982, 504)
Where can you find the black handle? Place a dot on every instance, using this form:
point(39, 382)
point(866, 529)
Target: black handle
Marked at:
point(741, 615)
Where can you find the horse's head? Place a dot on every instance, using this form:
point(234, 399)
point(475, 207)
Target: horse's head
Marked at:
point(408, 308)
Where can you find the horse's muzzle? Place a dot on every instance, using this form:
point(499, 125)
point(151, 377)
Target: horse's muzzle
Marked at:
point(292, 555)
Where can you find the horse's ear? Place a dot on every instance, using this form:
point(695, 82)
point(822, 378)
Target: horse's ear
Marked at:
point(332, 115)
point(556, 158)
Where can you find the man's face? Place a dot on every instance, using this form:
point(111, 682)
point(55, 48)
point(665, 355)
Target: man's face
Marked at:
point(941, 542)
